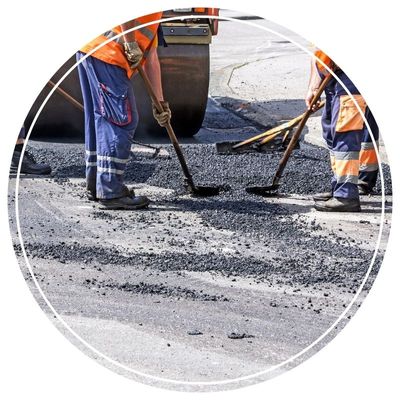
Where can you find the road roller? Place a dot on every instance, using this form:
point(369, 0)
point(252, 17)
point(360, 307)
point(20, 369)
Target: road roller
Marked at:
point(185, 66)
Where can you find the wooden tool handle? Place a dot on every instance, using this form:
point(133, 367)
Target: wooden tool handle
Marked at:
point(287, 130)
point(299, 129)
point(66, 96)
point(168, 127)
point(277, 129)
point(150, 89)
point(270, 137)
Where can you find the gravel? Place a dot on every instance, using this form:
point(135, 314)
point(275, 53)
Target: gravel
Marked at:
point(307, 172)
point(345, 266)
point(294, 251)
point(145, 288)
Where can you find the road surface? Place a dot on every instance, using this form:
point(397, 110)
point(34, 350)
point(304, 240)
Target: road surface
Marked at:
point(202, 294)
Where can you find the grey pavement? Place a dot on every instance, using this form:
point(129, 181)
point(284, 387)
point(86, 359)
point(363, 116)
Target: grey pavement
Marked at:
point(167, 318)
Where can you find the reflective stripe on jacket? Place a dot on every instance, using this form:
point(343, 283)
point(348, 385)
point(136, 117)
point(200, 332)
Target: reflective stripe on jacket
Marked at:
point(113, 52)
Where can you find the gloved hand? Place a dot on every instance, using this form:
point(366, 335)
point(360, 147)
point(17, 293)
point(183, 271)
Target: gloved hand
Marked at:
point(133, 53)
point(164, 117)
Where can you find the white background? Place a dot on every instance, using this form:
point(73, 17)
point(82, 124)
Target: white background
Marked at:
point(36, 360)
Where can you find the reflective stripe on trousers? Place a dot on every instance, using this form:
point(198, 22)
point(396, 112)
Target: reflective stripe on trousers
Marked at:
point(345, 166)
point(368, 157)
point(369, 167)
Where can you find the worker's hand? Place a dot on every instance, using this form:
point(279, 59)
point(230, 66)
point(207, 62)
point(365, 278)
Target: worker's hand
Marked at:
point(133, 53)
point(164, 117)
point(309, 97)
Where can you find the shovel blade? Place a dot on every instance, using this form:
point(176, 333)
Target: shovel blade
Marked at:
point(228, 148)
point(204, 191)
point(264, 191)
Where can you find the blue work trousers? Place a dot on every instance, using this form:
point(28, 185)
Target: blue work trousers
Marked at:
point(345, 134)
point(110, 121)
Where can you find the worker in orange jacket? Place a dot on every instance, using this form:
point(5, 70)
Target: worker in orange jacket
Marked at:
point(353, 158)
point(110, 109)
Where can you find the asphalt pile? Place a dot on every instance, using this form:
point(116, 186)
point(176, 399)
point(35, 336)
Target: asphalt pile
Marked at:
point(312, 260)
point(294, 251)
point(158, 289)
point(307, 172)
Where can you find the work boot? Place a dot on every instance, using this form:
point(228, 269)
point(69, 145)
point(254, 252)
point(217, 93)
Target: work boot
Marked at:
point(91, 194)
point(364, 190)
point(338, 204)
point(125, 203)
point(323, 196)
point(28, 165)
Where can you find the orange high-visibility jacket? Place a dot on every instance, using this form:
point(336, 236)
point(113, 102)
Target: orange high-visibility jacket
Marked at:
point(113, 52)
point(321, 56)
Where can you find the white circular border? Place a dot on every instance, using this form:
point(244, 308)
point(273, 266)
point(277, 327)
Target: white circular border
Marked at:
point(173, 381)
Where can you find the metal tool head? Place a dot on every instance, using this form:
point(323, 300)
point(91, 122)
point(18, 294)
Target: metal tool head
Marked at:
point(264, 191)
point(228, 148)
point(205, 191)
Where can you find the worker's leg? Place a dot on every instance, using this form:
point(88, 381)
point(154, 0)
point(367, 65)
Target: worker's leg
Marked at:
point(90, 132)
point(346, 145)
point(326, 121)
point(327, 131)
point(115, 126)
point(346, 132)
point(21, 136)
point(115, 121)
point(368, 158)
point(348, 124)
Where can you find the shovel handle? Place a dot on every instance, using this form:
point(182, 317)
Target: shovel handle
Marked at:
point(168, 127)
point(269, 132)
point(271, 137)
point(287, 130)
point(299, 129)
point(150, 89)
point(66, 96)
point(278, 129)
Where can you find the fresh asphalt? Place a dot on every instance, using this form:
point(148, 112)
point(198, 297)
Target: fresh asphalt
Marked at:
point(202, 290)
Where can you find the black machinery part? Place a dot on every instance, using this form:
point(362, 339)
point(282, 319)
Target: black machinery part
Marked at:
point(185, 76)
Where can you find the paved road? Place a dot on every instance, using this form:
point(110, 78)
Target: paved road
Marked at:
point(201, 289)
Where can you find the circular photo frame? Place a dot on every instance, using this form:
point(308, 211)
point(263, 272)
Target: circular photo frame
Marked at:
point(201, 198)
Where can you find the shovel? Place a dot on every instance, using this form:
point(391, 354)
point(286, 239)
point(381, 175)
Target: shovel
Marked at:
point(270, 191)
point(201, 191)
point(255, 143)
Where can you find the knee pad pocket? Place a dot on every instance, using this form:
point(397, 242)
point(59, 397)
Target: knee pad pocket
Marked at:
point(349, 118)
point(115, 106)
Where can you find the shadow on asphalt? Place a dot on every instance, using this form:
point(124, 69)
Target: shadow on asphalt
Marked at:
point(374, 210)
point(232, 114)
point(278, 111)
point(13, 175)
point(376, 207)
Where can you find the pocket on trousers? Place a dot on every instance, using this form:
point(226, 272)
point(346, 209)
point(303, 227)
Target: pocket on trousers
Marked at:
point(350, 119)
point(115, 107)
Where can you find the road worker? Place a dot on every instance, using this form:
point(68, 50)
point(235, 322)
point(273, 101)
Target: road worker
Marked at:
point(111, 116)
point(353, 158)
